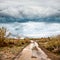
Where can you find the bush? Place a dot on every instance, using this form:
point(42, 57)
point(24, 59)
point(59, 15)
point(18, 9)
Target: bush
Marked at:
point(53, 45)
point(5, 41)
point(3, 36)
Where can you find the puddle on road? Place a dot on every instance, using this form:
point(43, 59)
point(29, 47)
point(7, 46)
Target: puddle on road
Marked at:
point(34, 53)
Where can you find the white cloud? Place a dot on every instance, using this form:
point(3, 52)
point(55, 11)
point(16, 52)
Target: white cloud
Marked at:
point(30, 8)
point(33, 29)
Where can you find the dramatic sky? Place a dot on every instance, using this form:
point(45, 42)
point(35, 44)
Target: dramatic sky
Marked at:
point(40, 18)
point(31, 8)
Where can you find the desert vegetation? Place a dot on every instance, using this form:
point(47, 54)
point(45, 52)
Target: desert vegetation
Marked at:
point(51, 46)
point(51, 43)
point(10, 47)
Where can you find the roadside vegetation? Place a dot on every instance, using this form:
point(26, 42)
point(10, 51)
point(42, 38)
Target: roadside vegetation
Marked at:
point(10, 47)
point(51, 43)
point(51, 46)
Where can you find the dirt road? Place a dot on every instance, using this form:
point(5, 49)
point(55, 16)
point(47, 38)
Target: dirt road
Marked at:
point(32, 52)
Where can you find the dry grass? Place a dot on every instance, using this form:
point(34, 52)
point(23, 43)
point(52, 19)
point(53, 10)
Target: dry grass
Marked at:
point(10, 47)
point(51, 46)
point(7, 53)
point(11, 50)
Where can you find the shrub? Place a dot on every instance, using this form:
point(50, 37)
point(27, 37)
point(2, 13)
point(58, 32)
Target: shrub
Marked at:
point(3, 36)
point(53, 45)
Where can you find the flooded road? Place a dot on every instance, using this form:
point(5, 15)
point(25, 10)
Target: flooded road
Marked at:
point(32, 52)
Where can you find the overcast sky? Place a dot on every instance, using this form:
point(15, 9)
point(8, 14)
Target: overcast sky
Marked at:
point(30, 7)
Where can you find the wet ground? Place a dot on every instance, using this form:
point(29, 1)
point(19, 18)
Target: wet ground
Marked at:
point(32, 52)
